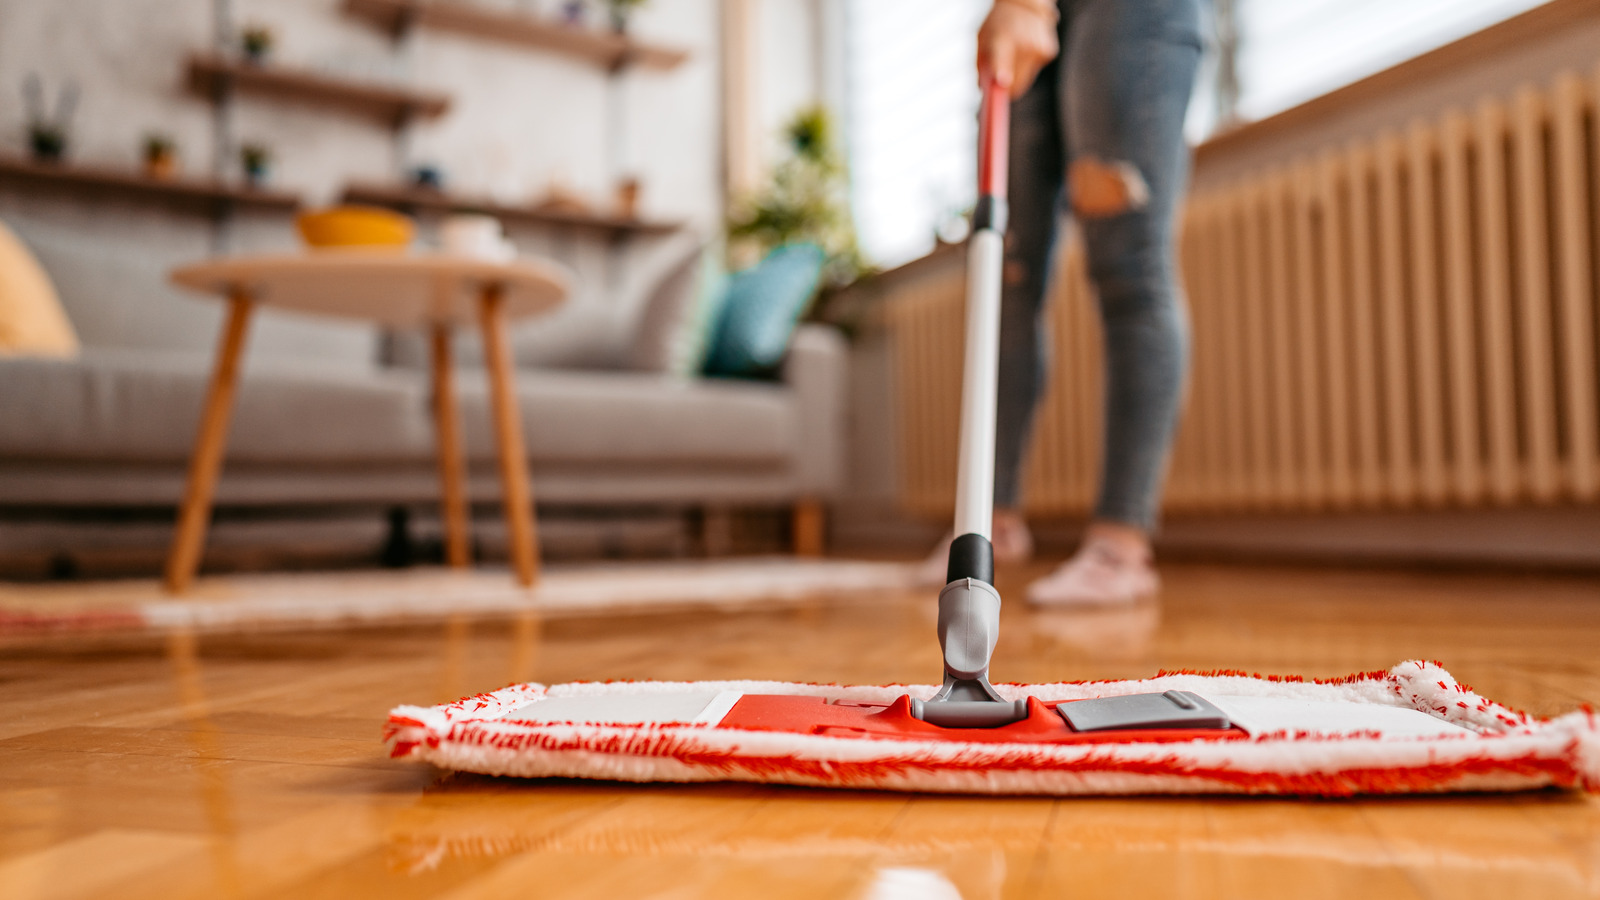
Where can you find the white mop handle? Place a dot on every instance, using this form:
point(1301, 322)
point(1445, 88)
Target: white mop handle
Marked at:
point(980, 382)
point(980, 377)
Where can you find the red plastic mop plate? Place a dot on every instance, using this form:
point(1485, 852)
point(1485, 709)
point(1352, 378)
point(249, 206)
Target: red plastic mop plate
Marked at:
point(893, 721)
point(1411, 729)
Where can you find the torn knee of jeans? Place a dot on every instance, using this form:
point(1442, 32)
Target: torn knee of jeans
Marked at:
point(1101, 189)
point(1016, 271)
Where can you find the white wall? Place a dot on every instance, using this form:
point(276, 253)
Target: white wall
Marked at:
point(519, 120)
point(788, 36)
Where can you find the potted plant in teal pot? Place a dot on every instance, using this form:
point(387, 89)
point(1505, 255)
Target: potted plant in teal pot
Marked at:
point(257, 162)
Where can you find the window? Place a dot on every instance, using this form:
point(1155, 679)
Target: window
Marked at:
point(910, 95)
point(910, 110)
point(1293, 50)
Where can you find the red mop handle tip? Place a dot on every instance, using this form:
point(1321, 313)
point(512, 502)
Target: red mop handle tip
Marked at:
point(994, 131)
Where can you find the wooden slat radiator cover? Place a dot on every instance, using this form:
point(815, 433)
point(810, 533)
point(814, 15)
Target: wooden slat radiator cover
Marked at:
point(1405, 321)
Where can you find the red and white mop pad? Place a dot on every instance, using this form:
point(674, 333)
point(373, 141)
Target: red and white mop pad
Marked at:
point(1412, 729)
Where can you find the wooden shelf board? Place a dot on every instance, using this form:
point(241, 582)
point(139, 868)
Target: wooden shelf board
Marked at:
point(602, 48)
point(403, 197)
point(210, 73)
point(92, 180)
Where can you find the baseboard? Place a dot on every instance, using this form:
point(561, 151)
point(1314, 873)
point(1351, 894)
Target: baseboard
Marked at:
point(1556, 538)
point(1547, 538)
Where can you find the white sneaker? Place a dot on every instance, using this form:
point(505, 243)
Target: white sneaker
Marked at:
point(1099, 574)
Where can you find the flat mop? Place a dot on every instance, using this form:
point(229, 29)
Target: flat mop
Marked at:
point(1410, 729)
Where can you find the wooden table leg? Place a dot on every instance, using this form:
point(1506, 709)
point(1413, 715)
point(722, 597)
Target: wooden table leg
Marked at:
point(452, 464)
point(809, 526)
point(508, 434)
point(194, 516)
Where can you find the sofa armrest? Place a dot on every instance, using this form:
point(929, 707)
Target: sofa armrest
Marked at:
point(817, 369)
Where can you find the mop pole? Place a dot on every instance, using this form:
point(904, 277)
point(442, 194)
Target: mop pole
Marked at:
point(969, 605)
point(981, 372)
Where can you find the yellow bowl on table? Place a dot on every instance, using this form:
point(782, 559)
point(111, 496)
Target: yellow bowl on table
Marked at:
point(355, 226)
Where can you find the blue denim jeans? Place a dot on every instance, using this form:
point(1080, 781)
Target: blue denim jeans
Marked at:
point(1106, 114)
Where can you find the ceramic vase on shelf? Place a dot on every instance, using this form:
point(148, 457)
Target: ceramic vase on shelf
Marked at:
point(428, 177)
point(476, 236)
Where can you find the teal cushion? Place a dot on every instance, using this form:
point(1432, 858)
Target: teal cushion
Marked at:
point(760, 309)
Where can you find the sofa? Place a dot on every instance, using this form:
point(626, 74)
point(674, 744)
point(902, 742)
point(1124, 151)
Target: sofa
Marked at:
point(112, 428)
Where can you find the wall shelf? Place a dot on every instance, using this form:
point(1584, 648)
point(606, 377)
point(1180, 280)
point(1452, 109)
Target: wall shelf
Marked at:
point(422, 199)
point(94, 182)
point(211, 75)
point(604, 49)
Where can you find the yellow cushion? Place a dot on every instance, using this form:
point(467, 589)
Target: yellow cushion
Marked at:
point(32, 321)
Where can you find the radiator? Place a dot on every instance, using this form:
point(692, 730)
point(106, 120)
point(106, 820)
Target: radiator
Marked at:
point(1405, 321)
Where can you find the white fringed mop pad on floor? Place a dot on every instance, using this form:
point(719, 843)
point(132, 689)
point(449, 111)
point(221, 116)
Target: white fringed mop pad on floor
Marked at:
point(1412, 729)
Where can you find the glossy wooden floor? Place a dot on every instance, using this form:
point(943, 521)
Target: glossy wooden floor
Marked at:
point(250, 766)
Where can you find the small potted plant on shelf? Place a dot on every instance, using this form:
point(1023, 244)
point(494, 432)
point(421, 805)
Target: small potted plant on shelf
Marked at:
point(256, 41)
point(160, 156)
point(621, 11)
point(48, 135)
point(257, 162)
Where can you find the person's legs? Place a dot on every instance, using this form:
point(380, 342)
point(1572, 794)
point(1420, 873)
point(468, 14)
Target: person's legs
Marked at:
point(1128, 71)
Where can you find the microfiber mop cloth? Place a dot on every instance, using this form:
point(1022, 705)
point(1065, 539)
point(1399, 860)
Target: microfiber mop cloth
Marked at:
point(1409, 730)
point(1412, 729)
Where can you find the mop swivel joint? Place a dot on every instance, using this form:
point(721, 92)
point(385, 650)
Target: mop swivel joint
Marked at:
point(969, 627)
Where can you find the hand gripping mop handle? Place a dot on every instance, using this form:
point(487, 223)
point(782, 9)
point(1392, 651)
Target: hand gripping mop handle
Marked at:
point(969, 605)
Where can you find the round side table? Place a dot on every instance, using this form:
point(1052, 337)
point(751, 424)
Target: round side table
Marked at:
point(433, 292)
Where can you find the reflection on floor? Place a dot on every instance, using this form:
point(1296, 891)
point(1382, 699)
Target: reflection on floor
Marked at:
point(193, 764)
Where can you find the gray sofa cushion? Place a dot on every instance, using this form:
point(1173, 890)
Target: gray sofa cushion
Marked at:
point(638, 418)
point(131, 405)
point(143, 407)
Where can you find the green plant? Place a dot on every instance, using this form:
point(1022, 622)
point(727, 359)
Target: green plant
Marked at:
point(158, 146)
point(48, 135)
point(257, 41)
point(256, 160)
point(48, 142)
point(807, 199)
point(621, 10)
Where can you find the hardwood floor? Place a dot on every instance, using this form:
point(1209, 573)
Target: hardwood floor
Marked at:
point(249, 765)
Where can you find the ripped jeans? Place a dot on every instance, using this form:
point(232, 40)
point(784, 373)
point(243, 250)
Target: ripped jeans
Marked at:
point(1101, 132)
